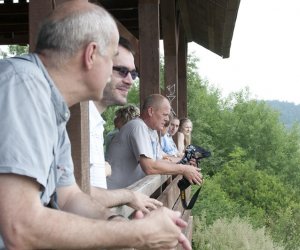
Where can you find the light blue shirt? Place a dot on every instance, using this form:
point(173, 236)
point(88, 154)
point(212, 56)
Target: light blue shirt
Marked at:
point(168, 145)
point(33, 136)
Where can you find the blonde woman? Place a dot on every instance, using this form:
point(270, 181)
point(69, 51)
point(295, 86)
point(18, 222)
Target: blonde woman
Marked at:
point(184, 134)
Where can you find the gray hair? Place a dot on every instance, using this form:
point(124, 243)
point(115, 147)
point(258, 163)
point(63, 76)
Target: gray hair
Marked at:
point(67, 35)
point(154, 101)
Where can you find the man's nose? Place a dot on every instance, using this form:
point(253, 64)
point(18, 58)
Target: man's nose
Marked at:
point(128, 79)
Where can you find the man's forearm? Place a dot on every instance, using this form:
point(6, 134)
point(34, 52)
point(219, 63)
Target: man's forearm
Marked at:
point(112, 198)
point(161, 167)
point(58, 230)
point(26, 224)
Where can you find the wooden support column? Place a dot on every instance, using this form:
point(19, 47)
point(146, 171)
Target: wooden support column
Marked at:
point(124, 32)
point(170, 35)
point(78, 128)
point(38, 10)
point(182, 73)
point(149, 35)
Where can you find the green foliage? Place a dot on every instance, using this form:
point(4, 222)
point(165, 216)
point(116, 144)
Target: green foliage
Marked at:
point(254, 171)
point(14, 50)
point(18, 49)
point(235, 234)
point(210, 195)
point(134, 94)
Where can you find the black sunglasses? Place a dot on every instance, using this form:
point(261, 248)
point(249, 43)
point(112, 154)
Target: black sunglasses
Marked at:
point(123, 71)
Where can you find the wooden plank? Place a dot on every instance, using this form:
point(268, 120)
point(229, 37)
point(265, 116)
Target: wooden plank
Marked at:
point(170, 194)
point(78, 130)
point(185, 17)
point(148, 185)
point(127, 34)
point(182, 73)
point(133, 41)
point(149, 35)
point(188, 231)
point(170, 35)
point(38, 10)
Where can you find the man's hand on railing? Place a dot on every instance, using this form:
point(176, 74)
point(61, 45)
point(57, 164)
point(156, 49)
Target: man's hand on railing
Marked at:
point(143, 202)
point(192, 174)
point(164, 229)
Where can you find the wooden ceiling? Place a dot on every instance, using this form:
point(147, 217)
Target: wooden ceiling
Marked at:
point(210, 23)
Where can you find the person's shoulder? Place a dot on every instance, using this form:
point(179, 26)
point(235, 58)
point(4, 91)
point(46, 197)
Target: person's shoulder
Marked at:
point(136, 122)
point(133, 127)
point(26, 67)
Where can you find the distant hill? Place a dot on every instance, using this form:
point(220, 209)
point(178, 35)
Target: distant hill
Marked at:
point(289, 112)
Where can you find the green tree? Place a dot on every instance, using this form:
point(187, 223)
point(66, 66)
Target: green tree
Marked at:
point(14, 50)
point(18, 49)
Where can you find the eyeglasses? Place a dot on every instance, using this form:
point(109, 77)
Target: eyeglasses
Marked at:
point(123, 71)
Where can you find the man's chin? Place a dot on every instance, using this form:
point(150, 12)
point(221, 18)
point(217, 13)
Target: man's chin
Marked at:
point(121, 101)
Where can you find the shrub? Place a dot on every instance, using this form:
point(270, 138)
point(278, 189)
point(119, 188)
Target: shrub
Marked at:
point(236, 234)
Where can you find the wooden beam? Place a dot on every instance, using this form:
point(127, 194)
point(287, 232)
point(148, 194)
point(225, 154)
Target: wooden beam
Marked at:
point(125, 33)
point(38, 10)
point(133, 41)
point(78, 130)
point(170, 195)
point(149, 47)
point(185, 17)
point(170, 39)
point(182, 73)
point(148, 185)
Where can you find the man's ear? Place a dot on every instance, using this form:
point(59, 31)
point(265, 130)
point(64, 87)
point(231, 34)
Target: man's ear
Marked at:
point(90, 54)
point(150, 111)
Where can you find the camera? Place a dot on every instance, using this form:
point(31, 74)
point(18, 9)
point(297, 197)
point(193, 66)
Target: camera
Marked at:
point(191, 152)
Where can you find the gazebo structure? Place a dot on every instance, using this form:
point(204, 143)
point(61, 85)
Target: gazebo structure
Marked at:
point(209, 23)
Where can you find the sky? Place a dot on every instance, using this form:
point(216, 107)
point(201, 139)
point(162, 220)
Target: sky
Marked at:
point(264, 54)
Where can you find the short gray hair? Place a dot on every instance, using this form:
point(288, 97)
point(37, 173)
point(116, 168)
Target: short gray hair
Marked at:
point(67, 35)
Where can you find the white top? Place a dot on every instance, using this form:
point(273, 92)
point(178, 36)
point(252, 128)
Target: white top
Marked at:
point(97, 162)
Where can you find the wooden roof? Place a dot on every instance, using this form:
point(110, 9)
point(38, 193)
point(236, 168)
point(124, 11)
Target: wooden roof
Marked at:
point(210, 23)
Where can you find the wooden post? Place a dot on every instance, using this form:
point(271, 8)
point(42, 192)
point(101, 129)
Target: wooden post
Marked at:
point(149, 35)
point(170, 34)
point(182, 73)
point(78, 130)
point(38, 10)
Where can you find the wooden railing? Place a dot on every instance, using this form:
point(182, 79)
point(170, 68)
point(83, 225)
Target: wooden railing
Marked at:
point(164, 188)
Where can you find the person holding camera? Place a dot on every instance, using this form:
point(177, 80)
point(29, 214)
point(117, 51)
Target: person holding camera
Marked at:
point(135, 151)
point(72, 63)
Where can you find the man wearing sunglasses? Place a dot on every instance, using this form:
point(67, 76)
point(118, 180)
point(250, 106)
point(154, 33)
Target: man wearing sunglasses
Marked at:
point(115, 93)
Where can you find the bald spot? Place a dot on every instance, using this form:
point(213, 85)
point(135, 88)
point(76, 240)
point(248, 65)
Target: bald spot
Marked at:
point(155, 101)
